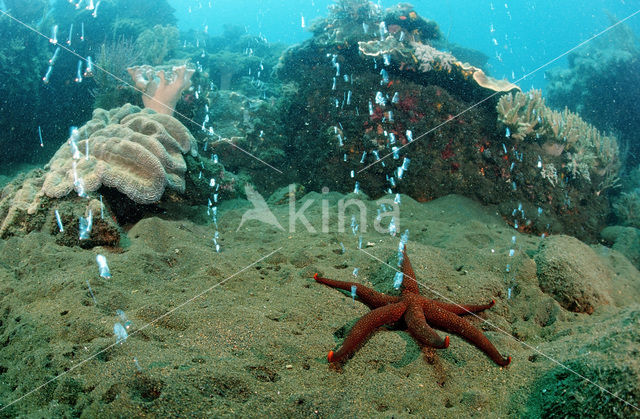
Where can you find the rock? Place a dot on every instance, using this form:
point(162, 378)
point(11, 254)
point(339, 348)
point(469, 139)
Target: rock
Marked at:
point(606, 353)
point(625, 240)
point(573, 274)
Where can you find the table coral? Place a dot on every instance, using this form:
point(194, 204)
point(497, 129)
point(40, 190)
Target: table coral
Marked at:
point(137, 153)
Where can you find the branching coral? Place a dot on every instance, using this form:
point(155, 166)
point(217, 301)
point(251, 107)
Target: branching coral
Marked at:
point(522, 114)
point(430, 58)
point(588, 152)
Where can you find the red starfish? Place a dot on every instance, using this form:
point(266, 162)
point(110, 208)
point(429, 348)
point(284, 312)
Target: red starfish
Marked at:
point(419, 314)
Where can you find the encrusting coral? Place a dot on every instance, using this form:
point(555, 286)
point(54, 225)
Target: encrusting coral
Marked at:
point(160, 92)
point(136, 152)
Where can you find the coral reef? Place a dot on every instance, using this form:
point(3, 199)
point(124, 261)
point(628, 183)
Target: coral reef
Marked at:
point(365, 60)
point(115, 58)
point(370, 83)
point(161, 92)
point(137, 153)
point(158, 44)
point(589, 153)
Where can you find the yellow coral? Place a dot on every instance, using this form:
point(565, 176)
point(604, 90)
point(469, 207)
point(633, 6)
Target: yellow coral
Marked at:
point(528, 118)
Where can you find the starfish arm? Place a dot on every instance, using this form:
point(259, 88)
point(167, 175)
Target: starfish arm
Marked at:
point(445, 320)
point(368, 296)
point(462, 309)
point(409, 282)
point(419, 329)
point(366, 325)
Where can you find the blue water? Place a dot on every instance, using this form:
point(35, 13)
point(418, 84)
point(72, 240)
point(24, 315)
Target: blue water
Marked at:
point(528, 34)
point(521, 39)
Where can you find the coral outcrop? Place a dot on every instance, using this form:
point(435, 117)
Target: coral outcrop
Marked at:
point(24, 208)
point(137, 153)
point(588, 153)
point(19, 199)
point(368, 83)
point(379, 101)
point(161, 91)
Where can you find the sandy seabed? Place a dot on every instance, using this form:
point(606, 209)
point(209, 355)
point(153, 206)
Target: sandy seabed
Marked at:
point(245, 332)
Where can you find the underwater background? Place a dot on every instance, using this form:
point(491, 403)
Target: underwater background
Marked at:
point(184, 181)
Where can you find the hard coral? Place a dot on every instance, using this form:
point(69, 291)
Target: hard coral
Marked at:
point(139, 154)
point(588, 153)
point(18, 201)
point(429, 58)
